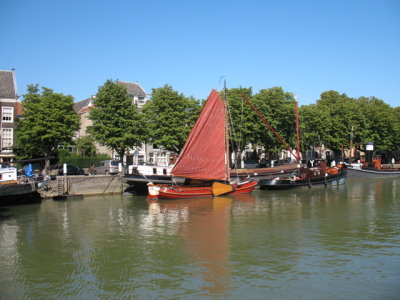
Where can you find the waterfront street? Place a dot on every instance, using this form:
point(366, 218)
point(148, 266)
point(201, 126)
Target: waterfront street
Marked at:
point(338, 242)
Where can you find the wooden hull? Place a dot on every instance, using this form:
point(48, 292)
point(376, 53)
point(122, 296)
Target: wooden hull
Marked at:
point(261, 173)
point(286, 183)
point(181, 192)
point(139, 182)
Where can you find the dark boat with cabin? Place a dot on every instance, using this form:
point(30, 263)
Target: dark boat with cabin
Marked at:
point(307, 177)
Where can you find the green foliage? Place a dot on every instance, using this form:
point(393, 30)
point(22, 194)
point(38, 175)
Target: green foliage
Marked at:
point(116, 120)
point(242, 119)
point(336, 118)
point(169, 117)
point(85, 146)
point(396, 126)
point(49, 121)
point(382, 123)
point(277, 107)
point(83, 161)
point(331, 120)
point(63, 152)
point(313, 124)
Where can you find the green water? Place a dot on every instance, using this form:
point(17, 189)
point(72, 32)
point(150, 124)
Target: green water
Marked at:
point(339, 242)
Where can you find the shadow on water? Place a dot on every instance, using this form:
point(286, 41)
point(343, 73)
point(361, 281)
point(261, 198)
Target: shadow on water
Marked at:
point(20, 199)
point(4, 214)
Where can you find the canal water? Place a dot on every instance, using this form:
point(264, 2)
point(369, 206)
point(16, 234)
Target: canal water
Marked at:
point(338, 242)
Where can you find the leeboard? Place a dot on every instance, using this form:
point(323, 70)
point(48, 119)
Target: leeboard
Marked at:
point(219, 188)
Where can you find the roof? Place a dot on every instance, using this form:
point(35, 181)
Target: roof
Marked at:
point(133, 89)
point(7, 86)
point(79, 106)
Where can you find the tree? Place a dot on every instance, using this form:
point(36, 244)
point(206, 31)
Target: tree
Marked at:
point(85, 146)
point(169, 118)
point(313, 123)
point(242, 119)
point(396, 138)
point(277, 107)
point(117, 123)
point(49, 122)
point(381, 122)
point(333, 118)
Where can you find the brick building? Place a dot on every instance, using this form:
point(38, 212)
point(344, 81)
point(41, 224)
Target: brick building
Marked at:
point(10, 109)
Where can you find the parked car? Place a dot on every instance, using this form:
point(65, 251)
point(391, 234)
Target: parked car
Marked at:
point(71, 170)
point(107, 167)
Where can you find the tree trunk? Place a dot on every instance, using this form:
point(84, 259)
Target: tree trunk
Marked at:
point(46, 165)
point(121, 158)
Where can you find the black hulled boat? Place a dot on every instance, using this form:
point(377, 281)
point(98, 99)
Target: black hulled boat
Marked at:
point(307, 177)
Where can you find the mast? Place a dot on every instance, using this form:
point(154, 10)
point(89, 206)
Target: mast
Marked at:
point(351, 143)
point(227, 167)
point(296, 109)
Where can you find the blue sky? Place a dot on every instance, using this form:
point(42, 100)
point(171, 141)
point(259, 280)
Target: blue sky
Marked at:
point(306, 47)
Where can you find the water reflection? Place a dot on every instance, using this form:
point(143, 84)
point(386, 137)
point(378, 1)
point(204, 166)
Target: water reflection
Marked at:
point(203, 225)
point(301, 243)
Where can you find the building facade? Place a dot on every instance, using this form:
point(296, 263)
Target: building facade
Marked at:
point(10, 109)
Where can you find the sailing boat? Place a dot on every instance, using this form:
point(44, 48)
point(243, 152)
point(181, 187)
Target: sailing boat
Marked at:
point(204, 158)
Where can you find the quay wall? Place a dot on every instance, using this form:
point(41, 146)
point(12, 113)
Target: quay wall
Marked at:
point(84, 185)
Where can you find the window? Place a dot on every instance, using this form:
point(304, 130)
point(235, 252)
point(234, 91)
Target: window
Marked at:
point(7, 113)
point(140, 159)
point(6, 139)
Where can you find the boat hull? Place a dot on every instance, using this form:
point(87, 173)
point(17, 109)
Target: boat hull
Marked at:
point(15, 189)
point(140, 182)
point(18, 193)
point(370, 173)
point(182, 192)
point(284, 184)
point(265, 173)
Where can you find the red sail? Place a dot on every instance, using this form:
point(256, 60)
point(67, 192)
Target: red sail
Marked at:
point(203, 156)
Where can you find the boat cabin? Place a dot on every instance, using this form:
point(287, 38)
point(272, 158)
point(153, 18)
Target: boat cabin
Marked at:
point(7, 174)
point(150, 170)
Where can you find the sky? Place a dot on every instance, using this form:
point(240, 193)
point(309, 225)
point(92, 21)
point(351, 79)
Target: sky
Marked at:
point(306, 47)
